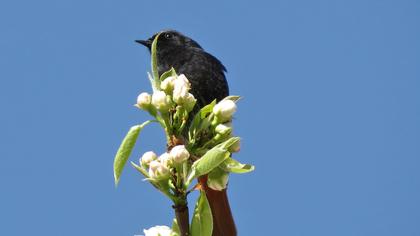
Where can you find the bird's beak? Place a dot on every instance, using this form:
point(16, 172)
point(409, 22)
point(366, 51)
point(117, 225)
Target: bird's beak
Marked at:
point(146, 43)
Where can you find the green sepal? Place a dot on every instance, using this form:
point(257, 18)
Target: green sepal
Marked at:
point(140, 169)
point(167, 74)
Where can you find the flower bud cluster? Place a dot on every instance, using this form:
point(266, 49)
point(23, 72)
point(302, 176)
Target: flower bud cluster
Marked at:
point(178, 87)
point(174, 91)
point(221, 122)
point(159, 167)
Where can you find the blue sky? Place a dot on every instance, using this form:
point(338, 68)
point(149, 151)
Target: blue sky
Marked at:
point(330, 115)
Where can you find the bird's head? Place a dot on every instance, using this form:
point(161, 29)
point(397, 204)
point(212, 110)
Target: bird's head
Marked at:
point(170, 39)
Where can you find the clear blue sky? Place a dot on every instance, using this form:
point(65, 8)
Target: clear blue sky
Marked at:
point(330, 115)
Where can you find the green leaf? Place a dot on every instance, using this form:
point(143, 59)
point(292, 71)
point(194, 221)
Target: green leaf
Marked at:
point(200, 116)
point(154, 61)
point(125, 149)
point(207, 109)
point(167, 74)
point(213, 158)
point(234, 166)
point(175, 227)
point(218, 179)
point(228, 143)
point(202, 221)
point(152, 82)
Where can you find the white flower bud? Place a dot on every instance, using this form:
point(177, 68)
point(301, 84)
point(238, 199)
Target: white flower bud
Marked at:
point(147, 158)
point(159, 230)
point(168, 84)
point(182, 80)
point(181, 87)
point(143, 100)
point(165, 159)
point(157, 170)
point(224, 129)
point(160, 101)
point(180, 94)
point(224, 110)
point(179, 154)
point(189, 102)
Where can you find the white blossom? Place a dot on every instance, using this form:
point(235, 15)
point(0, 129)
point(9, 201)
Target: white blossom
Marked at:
point(165, 159)
point(224, 129)
point(179, 154)
point(159, 230)
point(189, 102)
point(157, 170)
point(168, 84)
point(181, 87)
point(147, 158)
point(143, 100)
point(224, 110)
point(180, 94)
point(182, 80)
point(160, 101)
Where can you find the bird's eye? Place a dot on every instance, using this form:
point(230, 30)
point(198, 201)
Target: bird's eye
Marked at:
point(168, 35)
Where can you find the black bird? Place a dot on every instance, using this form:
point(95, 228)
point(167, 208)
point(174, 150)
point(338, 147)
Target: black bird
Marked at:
point(204, 71)
point(208, 82)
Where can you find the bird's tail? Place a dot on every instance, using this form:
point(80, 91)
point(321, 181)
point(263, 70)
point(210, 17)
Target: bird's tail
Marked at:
point(223, 223)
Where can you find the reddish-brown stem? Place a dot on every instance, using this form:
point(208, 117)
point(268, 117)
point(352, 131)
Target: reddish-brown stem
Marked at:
point(182, 218)
point(223, 223)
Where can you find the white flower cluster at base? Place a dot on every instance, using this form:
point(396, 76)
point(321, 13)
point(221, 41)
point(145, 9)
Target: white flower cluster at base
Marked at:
point(158, 230)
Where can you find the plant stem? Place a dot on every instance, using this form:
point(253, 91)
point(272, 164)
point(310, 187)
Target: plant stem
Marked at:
point(182, 218)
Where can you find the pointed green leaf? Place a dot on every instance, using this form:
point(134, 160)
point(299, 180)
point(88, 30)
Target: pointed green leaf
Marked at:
point(202, 221)
point(155, 62)
point(234, 166)
point(200, 116)
point(228, 143)
point(213, 158)
point(207, 109)
point(152, 82)
point(125, 149)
